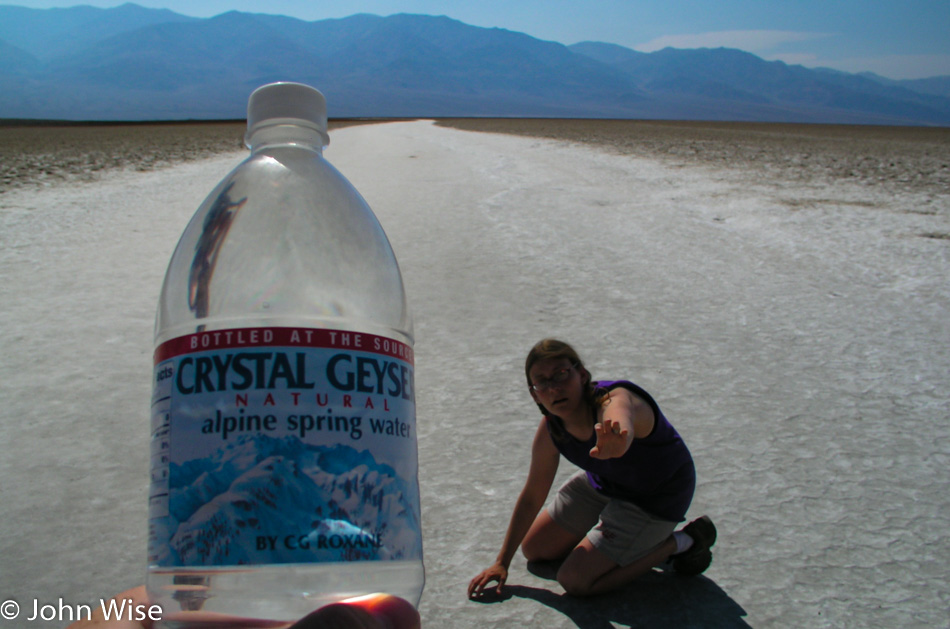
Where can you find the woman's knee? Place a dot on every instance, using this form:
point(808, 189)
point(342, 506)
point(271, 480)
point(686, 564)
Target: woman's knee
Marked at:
point(574, 583)
point(541, 547)
point(547, 541)
point(532, 549)
point(583, 571)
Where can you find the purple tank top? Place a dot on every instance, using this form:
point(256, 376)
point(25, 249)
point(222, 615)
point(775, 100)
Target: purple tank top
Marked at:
point(656, 473)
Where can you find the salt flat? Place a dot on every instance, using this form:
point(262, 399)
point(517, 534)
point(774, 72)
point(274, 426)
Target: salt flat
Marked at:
point(794, 331)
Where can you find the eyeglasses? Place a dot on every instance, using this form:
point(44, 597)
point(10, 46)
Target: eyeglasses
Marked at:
point(556, 380)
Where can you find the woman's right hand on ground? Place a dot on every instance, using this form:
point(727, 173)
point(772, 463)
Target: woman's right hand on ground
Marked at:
point(497, 573)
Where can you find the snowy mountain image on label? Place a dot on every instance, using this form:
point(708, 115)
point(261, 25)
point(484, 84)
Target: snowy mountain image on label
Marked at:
point(268, 500)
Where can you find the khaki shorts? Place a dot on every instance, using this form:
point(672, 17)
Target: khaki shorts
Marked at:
point(618, 528)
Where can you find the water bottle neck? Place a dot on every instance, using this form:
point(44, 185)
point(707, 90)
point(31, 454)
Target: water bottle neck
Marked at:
point(287, 135)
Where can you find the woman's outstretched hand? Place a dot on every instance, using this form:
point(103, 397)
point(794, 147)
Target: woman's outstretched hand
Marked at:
point(611, 440)
point(497, 572)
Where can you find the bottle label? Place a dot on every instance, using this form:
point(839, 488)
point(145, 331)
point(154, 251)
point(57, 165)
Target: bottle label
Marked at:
point(283, 445)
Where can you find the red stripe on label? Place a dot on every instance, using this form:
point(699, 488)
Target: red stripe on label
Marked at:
point(283, 337)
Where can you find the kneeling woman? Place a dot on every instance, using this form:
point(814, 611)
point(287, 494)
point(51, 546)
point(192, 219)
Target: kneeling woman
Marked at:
point(614, 519)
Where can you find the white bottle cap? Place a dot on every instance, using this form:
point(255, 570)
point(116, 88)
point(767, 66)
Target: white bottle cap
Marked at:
point(287, 103)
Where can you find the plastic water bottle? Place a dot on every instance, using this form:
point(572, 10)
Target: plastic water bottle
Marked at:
point(284, 468)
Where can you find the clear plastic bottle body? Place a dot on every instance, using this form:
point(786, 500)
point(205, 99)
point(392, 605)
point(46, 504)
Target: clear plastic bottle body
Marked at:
point(284, 243)
point(283, 237)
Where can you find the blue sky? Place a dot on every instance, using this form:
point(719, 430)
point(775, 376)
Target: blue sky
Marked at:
point(902, 39)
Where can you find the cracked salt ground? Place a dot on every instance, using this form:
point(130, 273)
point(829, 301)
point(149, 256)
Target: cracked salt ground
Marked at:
point(818, 423)
point(488, 491)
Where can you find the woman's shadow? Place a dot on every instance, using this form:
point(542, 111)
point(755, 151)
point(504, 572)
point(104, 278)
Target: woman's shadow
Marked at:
point(658, 599)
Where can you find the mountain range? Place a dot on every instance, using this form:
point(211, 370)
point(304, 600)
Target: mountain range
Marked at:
point(134, 63)
point(338, 503)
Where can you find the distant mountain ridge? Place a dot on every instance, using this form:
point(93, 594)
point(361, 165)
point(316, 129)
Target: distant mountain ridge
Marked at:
point(221, 505)
point(133, 63)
